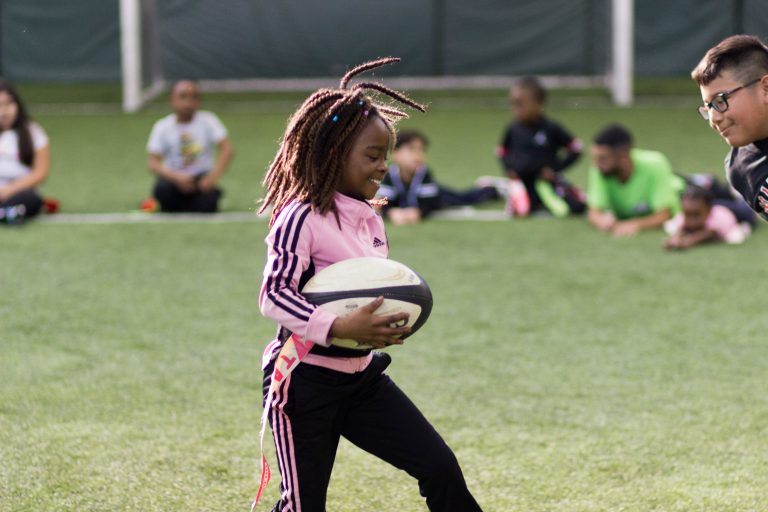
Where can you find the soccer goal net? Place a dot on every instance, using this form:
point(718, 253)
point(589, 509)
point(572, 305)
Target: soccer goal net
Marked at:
point(286, 46)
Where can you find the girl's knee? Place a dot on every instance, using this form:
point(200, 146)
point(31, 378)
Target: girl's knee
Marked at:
point(443, 470)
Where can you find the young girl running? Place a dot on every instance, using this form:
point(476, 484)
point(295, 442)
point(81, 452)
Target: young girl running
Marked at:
point(331, 161)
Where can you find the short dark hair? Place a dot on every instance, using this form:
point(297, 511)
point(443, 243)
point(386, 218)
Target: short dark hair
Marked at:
point(696, 193)
point(746, 56)
point(176, 83)
point(534, 85)
point(408, 136)
point(615, 136)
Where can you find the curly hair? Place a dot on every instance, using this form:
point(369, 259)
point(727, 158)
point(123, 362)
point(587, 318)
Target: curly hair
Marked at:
point(309, 163)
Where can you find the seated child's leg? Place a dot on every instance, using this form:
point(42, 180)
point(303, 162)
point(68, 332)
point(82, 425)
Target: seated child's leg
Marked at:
point(472, 196)
point(573, 195)
point(556, 205)
point(501, 184)
point(533, 197)
point(205, 202)
point(27, 203)
point(383, 421)
point(169, 196)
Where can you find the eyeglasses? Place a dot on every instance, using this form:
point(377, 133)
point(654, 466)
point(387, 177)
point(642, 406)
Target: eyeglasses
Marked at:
point(720, 102)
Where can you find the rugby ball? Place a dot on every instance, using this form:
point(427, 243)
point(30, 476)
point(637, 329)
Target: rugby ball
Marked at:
point(345, 286)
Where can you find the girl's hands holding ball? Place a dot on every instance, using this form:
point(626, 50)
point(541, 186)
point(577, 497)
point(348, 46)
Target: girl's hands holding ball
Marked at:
point(365, 327)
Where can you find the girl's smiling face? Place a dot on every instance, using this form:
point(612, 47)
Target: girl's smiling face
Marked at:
point(366, 163)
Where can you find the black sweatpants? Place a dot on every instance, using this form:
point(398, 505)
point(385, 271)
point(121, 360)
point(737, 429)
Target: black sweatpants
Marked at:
point(472, 196)
point(314, 406)
point(29, 199)
point(172, 199)
point(740, 210)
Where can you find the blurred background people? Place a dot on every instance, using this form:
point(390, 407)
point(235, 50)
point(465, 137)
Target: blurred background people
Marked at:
point(702, 221)
point(534, 152)
point(629, 190)
point(411, 191)
point(181, 151)
point(24, 160)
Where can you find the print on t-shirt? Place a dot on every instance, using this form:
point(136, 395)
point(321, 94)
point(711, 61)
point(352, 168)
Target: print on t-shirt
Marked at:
point(190, 149)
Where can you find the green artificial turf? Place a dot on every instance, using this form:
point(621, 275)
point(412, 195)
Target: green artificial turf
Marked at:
point(568, 371)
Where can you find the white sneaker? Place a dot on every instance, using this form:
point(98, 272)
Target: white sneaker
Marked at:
point(499, 183)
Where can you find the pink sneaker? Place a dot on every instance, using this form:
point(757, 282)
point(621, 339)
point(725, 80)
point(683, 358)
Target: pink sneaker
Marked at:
point(518, 202)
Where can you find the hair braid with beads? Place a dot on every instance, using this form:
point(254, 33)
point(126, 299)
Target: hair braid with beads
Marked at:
point(309, 163)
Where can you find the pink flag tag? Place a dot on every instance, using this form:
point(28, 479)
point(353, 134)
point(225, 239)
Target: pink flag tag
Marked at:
point(294, 350)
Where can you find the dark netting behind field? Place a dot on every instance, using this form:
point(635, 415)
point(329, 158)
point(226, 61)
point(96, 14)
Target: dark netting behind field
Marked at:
point(52, 40)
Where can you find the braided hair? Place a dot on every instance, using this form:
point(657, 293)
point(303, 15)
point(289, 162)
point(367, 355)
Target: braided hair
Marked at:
point(309, 164)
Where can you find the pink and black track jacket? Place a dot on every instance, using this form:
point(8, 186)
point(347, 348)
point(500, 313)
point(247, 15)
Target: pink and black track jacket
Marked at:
point(301, 243)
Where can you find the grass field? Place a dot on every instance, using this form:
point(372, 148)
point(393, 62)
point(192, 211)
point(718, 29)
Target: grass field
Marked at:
point(569, 371)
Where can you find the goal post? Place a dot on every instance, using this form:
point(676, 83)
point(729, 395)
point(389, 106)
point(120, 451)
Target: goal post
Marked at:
point(143, 79)
point(140, 53)
point(622, 51)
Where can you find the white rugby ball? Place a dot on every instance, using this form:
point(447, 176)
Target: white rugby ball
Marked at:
point(348, 285)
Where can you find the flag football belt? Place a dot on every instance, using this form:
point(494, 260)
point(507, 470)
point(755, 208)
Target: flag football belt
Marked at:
point(293, 351)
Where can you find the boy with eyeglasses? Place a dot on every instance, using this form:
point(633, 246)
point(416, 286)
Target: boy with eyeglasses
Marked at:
point(733, 80)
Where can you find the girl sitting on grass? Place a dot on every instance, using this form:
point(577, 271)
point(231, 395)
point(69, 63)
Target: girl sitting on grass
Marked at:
point(24, 160)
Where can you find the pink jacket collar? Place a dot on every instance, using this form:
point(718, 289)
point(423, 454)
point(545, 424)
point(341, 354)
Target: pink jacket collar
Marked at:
point(353, 211)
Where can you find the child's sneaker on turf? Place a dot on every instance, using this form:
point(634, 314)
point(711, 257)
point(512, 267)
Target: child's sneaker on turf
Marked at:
point(548, 194)
point(13, 215)
point(518, 202)
point(51, 205)
point(149, 205)
point(499, 183)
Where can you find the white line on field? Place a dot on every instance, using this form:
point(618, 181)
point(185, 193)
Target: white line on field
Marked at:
point(146, 218)
point(466, 213)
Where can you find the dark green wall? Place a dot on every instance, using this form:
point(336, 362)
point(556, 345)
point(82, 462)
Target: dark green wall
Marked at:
point(79, 40)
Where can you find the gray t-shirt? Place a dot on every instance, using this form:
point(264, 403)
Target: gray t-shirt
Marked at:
point(187, 147)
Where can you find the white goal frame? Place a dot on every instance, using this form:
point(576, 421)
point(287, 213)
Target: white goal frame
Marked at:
point(135, 94)
point(619, 78)
point(622, 72)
